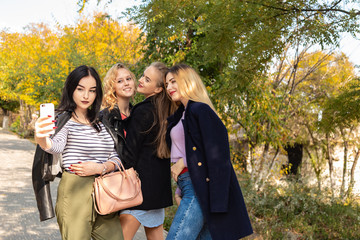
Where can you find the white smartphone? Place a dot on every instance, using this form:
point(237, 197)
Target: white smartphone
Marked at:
point(47, 109)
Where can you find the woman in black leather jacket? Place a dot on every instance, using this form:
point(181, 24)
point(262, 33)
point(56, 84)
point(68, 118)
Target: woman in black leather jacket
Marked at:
point(119, 88)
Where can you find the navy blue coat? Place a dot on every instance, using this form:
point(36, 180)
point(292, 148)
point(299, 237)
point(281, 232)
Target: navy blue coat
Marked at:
point(211, 171)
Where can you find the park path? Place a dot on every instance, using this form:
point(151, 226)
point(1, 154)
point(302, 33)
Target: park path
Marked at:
point(19, 218)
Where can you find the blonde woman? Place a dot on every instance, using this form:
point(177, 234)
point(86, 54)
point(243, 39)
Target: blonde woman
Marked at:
point(212, 205)
point(119, 88)
point(145, 150)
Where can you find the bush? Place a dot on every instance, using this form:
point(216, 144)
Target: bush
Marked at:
point(15, 126)
point(295, 211)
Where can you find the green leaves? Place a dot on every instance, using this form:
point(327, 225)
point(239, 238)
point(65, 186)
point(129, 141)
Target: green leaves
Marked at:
point(342, 110)
point(231, 42)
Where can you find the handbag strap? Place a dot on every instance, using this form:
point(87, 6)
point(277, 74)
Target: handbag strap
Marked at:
point(94, 201)
point(120, 166)
point(95, 205)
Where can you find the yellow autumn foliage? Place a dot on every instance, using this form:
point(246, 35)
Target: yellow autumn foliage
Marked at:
point(34, 64)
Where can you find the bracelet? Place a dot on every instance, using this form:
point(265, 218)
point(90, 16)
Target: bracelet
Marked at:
point(104, 170)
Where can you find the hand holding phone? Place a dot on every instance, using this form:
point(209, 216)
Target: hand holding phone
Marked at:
point(46, 110)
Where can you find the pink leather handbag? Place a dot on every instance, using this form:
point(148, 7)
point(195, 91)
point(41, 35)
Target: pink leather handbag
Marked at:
point(117, 190)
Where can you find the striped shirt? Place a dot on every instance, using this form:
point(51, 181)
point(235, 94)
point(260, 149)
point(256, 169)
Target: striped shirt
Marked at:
point(80, 143)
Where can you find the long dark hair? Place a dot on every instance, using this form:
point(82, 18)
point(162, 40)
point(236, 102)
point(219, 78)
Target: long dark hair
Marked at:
point(164, 108)
point(67, 102)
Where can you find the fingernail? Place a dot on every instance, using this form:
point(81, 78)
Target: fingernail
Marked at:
point(55, 127)
point(79, 162)
point(49, 115)
point(53, 120)
point(69, 167)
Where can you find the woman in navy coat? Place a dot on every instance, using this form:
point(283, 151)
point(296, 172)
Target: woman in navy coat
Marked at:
point(212, 205)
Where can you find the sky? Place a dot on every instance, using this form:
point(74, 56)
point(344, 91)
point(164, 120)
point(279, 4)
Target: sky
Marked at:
point(16, 14)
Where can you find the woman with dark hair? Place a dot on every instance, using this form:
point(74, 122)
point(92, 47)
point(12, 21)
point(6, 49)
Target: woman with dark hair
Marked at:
point(145, 150)
point(87, 150)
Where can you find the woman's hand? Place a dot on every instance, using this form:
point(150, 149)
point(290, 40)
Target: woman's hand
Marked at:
point(87, 168)
point(177, 168)
point(177, 199)
point(44, 127)
point(91, 168)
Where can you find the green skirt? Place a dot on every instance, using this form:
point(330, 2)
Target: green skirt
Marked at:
point(76, 214)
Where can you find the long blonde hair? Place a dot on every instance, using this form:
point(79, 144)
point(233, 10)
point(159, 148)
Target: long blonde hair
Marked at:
point(110, 99)
point(164, 108)
point(190, 85)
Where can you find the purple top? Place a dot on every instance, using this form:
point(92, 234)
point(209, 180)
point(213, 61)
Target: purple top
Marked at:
point(178, 145)
point(178, 142)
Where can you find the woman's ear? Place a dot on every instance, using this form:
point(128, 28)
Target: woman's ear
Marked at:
point(158, 90)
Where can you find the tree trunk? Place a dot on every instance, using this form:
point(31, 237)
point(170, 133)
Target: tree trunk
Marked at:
point(330, 163)
point(263, 157)
point(252, 161)
point(342, 189)
point(295, 154)
point(5, 123)
point(25, 128)
point(260, 177)
point(352, 173)
point(316, 170)
point(271, 165)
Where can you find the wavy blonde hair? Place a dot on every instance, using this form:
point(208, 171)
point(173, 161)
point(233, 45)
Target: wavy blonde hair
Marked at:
point(110, 99)
point(190, 85)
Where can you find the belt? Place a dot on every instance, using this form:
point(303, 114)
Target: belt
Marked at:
point(184, 170)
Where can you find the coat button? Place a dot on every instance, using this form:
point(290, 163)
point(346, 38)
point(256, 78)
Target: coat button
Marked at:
point(194, 148)
point(207, 179)
point(199, 164)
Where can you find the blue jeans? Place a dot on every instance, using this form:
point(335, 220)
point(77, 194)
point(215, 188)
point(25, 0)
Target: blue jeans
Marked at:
point(189, 222)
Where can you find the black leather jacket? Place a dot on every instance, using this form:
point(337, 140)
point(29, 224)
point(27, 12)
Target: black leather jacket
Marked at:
point(112, 124)
point(115, 126)
point(41, 186)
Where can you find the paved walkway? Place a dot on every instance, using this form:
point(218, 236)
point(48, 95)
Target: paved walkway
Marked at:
point(19, 218)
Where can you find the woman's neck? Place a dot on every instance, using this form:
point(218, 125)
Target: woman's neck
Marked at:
point(124, 106)
point(149, 95)
point(184, 101)
point(81, 116)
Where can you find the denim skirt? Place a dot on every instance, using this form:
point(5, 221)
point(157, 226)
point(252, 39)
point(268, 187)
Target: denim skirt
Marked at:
point(148, 218)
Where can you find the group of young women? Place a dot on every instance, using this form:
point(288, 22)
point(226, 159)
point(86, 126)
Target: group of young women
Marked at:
point(176, 120)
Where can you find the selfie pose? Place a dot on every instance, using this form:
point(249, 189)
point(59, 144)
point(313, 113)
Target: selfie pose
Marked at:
point(211, 202)
point(87, 150)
